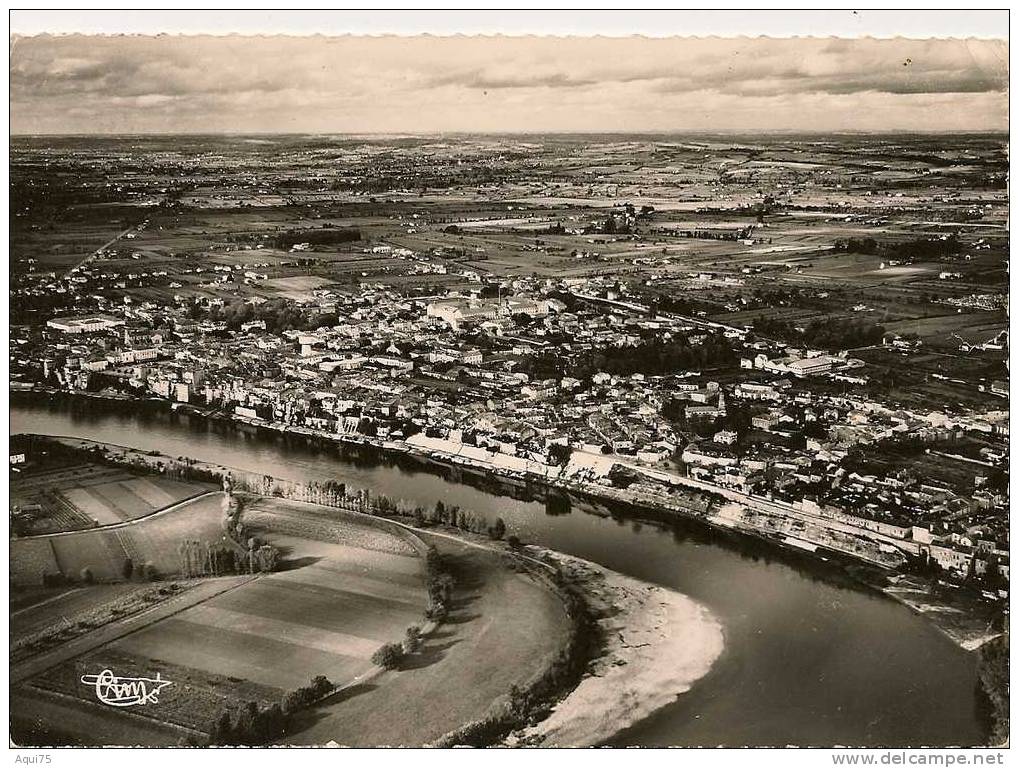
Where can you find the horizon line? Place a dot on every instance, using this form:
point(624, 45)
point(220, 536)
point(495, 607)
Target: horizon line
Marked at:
point(429, 134)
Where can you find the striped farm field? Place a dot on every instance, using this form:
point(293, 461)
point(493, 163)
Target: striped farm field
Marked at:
point(325, 613)
point(346, 586)
point(193, 699)
point(326, 618)
point(115, 502)
point(152, 540)
point(86, 495)
point(343, 590)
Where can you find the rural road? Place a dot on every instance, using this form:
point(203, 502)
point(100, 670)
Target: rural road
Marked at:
point(95, 253)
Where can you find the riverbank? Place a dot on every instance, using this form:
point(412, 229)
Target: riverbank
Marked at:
point(671, 495)
point(868, 671)
point(656, 643)
point(959, 621)
point(966, 622)
point(667, 493)
point(645, 644)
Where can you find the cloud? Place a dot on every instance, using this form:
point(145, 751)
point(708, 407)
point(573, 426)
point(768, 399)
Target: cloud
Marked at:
point(420, 84)
point(479, 79)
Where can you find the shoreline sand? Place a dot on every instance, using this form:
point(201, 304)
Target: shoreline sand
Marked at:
point(657, 643)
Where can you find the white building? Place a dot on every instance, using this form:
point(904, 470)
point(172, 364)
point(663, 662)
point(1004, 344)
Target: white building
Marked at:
point(90, 324)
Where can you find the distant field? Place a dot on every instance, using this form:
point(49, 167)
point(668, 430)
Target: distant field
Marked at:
point(85, 495)
point(971, 326)
point(153, 540)
point(298, 287)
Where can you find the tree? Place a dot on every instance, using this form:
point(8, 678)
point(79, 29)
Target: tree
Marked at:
point(413, 639)
point(128, 568)
point(498, 529)
point(436, 610)
point(291, 702)
point(320, 685)
point(245, 730)
point(388, 656)
point(444, 587)
point(517, 700)
point(268, 558)
point(273, 722)
point(559, 454)
point(993, 670)
point(86, 575)
point(221, 731)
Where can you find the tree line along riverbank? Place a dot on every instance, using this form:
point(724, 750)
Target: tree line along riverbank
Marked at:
point(588, 593)
point(965, 619)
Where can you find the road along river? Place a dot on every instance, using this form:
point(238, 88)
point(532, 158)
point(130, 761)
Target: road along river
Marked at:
point(810, 658)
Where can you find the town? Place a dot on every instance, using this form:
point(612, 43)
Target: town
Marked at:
point(537, 425)
point(816, 414)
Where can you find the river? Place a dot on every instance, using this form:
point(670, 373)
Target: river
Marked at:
point(810, 658)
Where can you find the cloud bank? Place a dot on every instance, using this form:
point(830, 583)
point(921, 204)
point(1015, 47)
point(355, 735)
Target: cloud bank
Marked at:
point(85, 84)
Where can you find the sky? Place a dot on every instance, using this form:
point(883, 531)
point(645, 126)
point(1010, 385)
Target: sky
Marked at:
point(76, 84)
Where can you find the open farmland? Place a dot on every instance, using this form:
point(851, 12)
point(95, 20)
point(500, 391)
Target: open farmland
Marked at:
point(83, 496)
point(325, 613)
point(31, 559)
point(281, 631)
point(296, 288)
point(193, 701)
point(503, 630)
point(151, 540)
point(46, 718)
point(56, 604)
point(343, 590)
point(812, 326)
point(771, 211)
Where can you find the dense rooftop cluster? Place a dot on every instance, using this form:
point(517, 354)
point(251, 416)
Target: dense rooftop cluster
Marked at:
point(557, 375)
